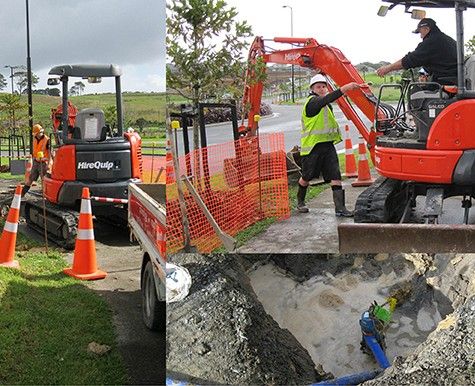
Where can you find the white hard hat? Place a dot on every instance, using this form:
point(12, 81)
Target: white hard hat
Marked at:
point(319, 78)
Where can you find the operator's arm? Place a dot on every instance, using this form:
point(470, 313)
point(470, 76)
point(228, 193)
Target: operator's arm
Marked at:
point(317, 103)
point(383, 70)
point(421, 56)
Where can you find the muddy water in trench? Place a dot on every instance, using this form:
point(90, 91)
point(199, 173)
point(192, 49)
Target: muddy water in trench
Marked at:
point(323, 314)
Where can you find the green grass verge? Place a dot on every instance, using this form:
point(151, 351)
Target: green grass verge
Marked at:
point(47, 321)
point(9, 176)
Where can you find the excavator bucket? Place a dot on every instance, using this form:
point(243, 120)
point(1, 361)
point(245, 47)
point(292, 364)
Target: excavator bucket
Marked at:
point(407, 238)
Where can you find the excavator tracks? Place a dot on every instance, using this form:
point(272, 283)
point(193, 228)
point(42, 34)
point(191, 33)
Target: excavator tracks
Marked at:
point(382, 202)
point(61, 223)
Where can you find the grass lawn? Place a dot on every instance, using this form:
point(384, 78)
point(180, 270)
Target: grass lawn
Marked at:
point(9, 176)
point(150, 106)
point(47, 321)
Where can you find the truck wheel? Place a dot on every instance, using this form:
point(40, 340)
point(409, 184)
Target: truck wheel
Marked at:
point(153, 310)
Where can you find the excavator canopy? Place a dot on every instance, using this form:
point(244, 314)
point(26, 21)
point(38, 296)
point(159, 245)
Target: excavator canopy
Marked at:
point(432, 3)
point(86, 70)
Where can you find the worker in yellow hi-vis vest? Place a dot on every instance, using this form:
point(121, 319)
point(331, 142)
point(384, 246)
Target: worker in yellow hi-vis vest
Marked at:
point(319, 135)
point(41, 156)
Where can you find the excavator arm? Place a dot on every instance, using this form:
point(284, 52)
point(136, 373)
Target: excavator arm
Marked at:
point(308, 53)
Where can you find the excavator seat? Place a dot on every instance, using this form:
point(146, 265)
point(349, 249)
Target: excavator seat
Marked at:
point(90, 125)
point(425, 105)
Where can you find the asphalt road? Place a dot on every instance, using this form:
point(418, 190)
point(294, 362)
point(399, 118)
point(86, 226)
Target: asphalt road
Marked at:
point(285, 118)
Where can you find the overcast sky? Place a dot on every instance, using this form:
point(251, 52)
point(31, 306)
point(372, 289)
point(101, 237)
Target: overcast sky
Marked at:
point(130, 33)
point(353, 26)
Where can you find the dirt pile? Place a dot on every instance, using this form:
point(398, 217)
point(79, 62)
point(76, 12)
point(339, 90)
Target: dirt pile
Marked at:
point(220, 334)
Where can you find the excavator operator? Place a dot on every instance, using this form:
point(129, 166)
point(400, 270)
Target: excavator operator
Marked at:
point(437, 53)
point(40, 155)
point(319, 133)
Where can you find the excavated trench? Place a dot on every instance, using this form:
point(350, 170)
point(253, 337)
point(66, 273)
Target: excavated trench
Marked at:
point(294, 319)
point(322, 311)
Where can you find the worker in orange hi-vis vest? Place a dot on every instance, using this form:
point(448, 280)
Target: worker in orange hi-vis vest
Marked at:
point(41, 156)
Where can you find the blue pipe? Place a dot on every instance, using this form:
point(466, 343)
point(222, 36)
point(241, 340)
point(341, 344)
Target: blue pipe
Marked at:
point(377, 351)
point(353, 379)
point(173, 382)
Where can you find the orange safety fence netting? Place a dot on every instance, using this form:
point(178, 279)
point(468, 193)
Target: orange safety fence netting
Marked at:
point(240, 182)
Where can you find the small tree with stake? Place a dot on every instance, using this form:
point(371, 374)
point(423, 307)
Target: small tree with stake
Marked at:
point(204, 45)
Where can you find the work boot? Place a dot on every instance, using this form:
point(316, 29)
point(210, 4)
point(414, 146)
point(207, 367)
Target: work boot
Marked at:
point(301, 199)
point(24, 190)
point(340, 208)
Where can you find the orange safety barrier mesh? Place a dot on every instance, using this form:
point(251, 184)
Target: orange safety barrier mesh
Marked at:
point(239, 185)
point(151, 166)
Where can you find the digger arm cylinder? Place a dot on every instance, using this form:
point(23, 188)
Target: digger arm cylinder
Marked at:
point(307, 52)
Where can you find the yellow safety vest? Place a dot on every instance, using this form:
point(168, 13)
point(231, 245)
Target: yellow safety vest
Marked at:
point(323, 127)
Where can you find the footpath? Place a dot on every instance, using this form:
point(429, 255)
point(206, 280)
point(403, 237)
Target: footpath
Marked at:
point(312, 232)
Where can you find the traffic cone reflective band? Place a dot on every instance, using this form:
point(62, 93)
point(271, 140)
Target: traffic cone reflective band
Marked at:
point(364, 175)
point(84, 259)
point(8, 238)
point(28, 169)
point(350, 161)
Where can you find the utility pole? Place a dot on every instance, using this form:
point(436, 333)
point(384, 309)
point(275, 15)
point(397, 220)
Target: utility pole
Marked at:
point(28, 70)
point(291, 35)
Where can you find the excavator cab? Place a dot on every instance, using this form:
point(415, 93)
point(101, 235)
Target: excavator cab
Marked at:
point(438, 162)
point(86, 154)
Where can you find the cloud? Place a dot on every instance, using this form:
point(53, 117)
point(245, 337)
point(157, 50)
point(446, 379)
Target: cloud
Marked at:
point(124, 32)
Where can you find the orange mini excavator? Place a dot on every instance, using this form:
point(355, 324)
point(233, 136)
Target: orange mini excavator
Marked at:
point(88, 152)
point(433, 157)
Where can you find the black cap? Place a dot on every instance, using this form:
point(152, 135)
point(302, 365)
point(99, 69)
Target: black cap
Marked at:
point(426, 22)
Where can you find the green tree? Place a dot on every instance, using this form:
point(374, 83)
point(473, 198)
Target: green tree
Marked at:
point(11, 105)
point(470, 47)
point(364, 70)
point(73, 90)
point(110, 115)
point(205, 46)
point(3, 82)
point(79, 87)
point(53, 91)
point(22, 80)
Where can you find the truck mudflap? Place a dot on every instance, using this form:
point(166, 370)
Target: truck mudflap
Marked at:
point(406, 238)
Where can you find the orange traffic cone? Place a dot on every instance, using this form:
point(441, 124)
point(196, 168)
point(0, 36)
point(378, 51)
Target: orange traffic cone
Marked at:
point(28, 169)
point(84, 259)
point(350, 162)
point(8, 239)
point(364, 175)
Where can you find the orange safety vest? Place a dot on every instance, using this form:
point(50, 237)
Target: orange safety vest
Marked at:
point(40, 145)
